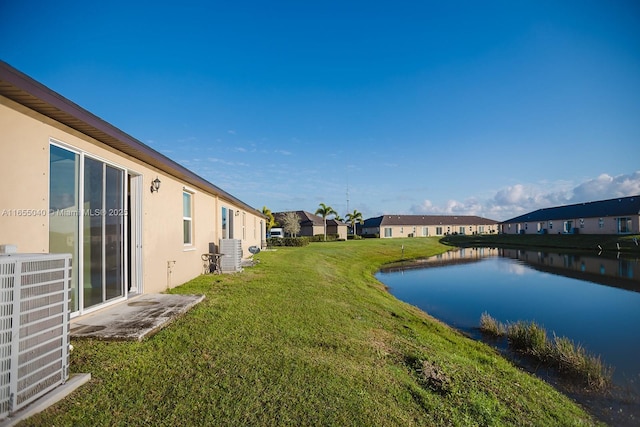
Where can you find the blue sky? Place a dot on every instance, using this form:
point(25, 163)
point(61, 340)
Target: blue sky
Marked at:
point(416, 107)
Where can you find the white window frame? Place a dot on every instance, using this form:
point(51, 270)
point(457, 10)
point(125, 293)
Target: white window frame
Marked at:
point(186, 218)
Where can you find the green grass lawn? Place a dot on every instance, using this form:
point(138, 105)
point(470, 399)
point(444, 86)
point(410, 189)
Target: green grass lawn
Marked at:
point(306, 337)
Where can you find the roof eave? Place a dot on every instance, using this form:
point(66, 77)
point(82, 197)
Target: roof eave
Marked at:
point(24, 90)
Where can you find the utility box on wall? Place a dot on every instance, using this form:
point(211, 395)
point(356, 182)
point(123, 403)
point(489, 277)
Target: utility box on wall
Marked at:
point(231, 261)
point(34, 327)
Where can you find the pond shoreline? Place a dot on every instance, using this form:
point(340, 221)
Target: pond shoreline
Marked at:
point(618, 405)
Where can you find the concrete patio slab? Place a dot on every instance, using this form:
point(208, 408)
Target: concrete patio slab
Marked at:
point(134, 319)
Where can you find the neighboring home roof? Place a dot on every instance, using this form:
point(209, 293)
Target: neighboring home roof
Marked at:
point(308, 219)
point(390, 220)
point(602, 208)
point(25, 91)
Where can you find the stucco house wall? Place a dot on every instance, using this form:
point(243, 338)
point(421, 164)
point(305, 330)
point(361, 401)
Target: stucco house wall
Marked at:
point(164, 260)
point(398, 226)
point(338, 228)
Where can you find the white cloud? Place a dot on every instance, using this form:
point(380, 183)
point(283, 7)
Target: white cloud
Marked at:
point(283, 152)
point(607, 187)
point(225, 162)
point(518, 199)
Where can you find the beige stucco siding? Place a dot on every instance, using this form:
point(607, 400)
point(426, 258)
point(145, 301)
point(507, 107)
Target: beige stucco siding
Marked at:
point(431, 230)
point(599, 225)
point(24, 199)
point(24, 191)
point(339, 230)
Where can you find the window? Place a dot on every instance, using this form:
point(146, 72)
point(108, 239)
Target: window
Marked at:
point(568, 226)
point(387, 232)
point(461, 230)
point(481, 229)
point(581, 222)
point(225, 233)
point(624, 225)
point(601, 223)
point(550, 225)
point(187, 219)
point(438, 231)
point(425, 231)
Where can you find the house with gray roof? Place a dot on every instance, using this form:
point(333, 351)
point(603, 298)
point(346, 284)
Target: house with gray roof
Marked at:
point(313, 225)
point(613, 216)
point(389, 226)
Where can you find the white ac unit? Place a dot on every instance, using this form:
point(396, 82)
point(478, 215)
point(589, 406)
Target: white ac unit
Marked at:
point(34, 327)
point(231, 261)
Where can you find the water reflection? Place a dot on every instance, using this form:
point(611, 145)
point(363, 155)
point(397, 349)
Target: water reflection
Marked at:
point(610, 270)
point(617, 272)
point(593, 300)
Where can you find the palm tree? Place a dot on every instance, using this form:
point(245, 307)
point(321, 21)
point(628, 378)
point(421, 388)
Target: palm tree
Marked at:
point(271, 220)
point(354, 218)
point(324, 211)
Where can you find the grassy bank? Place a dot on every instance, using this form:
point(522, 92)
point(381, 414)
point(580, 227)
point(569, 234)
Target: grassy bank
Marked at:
point(629, 244)
point(307, 337)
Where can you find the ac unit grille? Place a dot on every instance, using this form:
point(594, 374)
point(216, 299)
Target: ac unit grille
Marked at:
point(34, 327)
point(232, 251)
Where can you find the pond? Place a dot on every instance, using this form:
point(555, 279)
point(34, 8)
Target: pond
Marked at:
point(593, 300)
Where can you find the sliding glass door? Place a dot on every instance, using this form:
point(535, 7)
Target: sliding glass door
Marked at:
point(97, 224)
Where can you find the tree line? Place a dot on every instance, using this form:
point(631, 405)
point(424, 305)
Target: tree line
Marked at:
point(291, 222)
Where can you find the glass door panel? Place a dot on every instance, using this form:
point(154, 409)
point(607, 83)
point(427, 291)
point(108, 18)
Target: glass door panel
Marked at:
point(64, 221)
point(93, 232)
point(114, 233)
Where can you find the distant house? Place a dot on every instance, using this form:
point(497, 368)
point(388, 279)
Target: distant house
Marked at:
point(133, 220)
point(390, 226)
point(613, 216)
point(313, 225)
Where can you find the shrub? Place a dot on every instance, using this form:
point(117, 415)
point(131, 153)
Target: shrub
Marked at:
point(287, 241)
point(562, 353)
point(320, 237)
point(491, 326)
point(528, 338)
point(574, 359)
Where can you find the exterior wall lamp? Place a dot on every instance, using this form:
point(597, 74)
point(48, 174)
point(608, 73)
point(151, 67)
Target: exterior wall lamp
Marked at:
point(155, 185)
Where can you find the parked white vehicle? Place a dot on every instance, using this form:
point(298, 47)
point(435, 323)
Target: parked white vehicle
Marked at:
point(276, 232)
